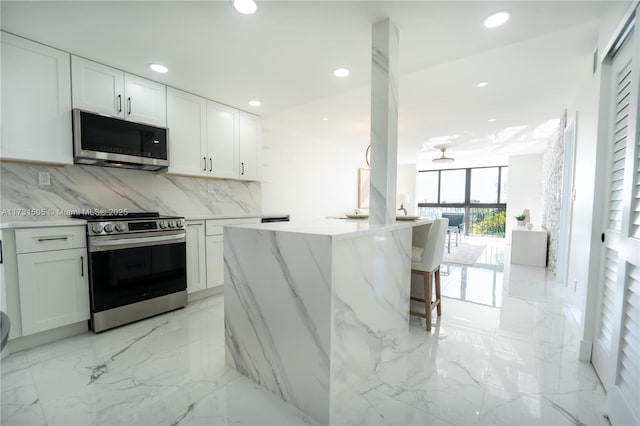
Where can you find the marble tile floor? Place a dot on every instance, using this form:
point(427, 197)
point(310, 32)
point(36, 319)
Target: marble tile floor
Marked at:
point(508, 358)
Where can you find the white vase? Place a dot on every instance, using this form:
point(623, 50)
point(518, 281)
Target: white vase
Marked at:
point(520, 223)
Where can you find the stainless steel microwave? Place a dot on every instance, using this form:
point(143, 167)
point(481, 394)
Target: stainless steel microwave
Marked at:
point(102, 140)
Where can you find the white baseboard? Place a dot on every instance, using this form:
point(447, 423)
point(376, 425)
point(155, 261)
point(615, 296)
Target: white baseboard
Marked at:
point(33, 340)
point(197, 295)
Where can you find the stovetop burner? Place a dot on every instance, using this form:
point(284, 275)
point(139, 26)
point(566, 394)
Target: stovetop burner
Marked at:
point(115, 216)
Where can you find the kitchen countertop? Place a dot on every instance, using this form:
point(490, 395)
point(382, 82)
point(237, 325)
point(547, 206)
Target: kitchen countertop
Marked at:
point(237, 216)
point(336, 228)
point(15, 222)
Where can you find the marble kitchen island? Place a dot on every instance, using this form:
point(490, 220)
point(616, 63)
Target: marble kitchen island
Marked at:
point(318, 313)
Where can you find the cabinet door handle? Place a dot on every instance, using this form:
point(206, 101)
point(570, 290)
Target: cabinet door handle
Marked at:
point(210, 164)
point(119, 103)
point(242, 169)
point(41, 240)
point(82, 266)
point(1, 256)
point(129, 105)
point(205, 163)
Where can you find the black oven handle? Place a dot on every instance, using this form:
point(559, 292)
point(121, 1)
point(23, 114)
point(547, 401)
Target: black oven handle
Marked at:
point(124, 243)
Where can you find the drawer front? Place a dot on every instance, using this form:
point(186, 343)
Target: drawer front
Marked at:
point(214, 226)
point(32, 240)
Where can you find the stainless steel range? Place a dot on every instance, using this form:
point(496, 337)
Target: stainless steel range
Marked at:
point(137, 267)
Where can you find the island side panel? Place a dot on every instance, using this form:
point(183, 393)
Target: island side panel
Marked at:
point(370, 322)
point(277, 293)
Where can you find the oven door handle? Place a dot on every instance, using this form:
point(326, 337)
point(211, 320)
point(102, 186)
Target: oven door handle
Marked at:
point(122, 243)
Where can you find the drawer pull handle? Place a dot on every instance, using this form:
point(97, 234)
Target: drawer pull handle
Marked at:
point(82, 266)
point(40, 240)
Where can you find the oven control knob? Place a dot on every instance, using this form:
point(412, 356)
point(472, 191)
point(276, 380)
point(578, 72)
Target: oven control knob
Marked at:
point(179, 223)
point(163, 224)
point(119, 227)
point(108, 227)
point(172, 224)
point(96, 228)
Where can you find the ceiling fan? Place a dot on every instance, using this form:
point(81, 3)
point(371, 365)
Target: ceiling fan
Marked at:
point(443, 158)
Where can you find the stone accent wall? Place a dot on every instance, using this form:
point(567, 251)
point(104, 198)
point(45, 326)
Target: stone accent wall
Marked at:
point(552, 162)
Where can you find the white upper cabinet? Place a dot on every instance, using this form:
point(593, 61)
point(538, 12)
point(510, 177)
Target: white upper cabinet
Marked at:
point(222, 140)
point(187, 123)
point(36, 102)
point(97, 87)
point(146, 101)
point(102, 89)
point(250, 147)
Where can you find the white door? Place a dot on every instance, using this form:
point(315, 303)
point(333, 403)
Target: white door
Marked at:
point(187, 123)
point(96, 87)
point(250, 147)
point(196, 260)
point(616, 352)
point(36, 102)
point(222, 141)
point(54, 289)
point(145, 101)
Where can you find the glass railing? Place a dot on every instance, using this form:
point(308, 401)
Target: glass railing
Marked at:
point(479, 221)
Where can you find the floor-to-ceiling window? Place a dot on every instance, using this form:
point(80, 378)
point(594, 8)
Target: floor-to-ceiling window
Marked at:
point(480, 193)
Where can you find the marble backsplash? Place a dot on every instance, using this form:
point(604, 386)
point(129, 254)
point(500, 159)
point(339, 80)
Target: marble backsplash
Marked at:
point(89, 187)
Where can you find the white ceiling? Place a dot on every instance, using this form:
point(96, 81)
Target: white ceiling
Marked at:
point(285, 53)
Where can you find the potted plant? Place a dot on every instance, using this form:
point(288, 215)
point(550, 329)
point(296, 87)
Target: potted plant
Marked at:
point(520, 219)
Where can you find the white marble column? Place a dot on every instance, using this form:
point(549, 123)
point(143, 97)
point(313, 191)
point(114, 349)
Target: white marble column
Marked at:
point(384, 123)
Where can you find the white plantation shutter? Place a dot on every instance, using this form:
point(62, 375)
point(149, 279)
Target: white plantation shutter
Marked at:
point(629, 367)
point(635, 198)
point(608, 299)
point(619, 146)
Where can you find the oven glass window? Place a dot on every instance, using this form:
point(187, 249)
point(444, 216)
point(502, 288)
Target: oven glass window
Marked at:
point(121, 277)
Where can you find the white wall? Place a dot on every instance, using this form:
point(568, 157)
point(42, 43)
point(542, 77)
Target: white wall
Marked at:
point(524, 189)
point(406, 184)
point(307, 177)
point(584, 251)
point(313, 178)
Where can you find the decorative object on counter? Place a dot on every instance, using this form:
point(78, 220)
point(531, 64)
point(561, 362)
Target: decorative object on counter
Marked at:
point(529, 226)
point(432, 239)
point(357, 216)
point(406, 217)
point(520, 219)
point(404, 199)
point(364, 180)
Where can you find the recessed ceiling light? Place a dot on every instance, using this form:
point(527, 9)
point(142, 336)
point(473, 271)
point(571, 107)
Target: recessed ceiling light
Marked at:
point(255, 103)
point(159, 68)
point(325, 118)
point(491, 120)
point(246, 7)
point(497, 19)
point(482, 84)
point(341, 72)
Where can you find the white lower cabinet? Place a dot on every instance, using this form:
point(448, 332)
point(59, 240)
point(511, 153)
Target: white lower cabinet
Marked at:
point(54, 289)
point(205, 261)
point(196, 260)
point(52, 277)
point(215, 261)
